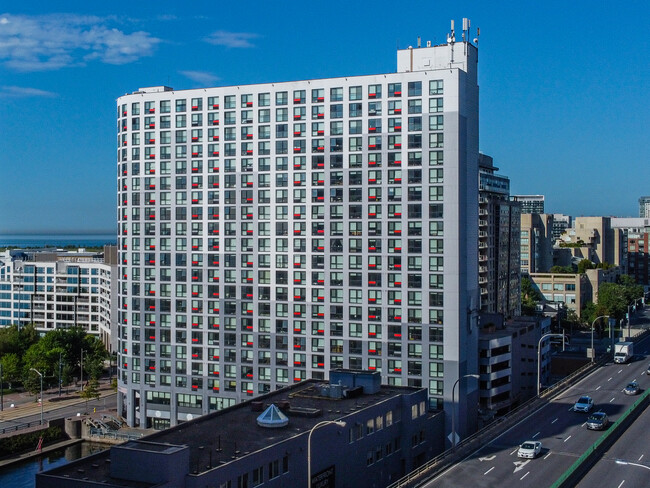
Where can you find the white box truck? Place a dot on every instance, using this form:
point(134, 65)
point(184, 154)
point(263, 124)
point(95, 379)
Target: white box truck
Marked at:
point(623, 352)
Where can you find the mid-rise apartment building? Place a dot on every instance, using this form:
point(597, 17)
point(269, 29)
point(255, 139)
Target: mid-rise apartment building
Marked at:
point(594, 238)
point(54, 289)
point(499, 242)
point(269, 233)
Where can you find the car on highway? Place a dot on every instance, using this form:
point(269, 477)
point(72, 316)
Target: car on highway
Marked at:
point(529, 449)
point(632, 388)
point(584, 404)
point(597, 421)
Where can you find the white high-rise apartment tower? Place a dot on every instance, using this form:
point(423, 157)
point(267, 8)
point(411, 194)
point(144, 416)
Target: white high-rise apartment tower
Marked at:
point(269, 233)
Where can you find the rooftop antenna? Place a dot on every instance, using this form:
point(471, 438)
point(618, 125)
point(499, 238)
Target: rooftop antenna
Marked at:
point(451, 38)
point(419, 41)
point(478, 33)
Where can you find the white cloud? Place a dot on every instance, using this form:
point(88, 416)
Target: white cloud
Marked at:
point(48, 42)
point(23, 92)
point(202, 77)
point(231, 39)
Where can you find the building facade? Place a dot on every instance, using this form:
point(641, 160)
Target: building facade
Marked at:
point(530, 204)
point(638, 258)
point(536, 243)
point(499, 242)
point(59, 289)
point(339, 435)
point(595, 239)
point(269, 233)
point(644, 207)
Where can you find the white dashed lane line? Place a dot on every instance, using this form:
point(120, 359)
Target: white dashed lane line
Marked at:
point(549, 453)
point(598, 388)
point(567, 438)
point(536, 435)
point(612, 400)
point(488, 470)
point(524, 476)
point(554, 420)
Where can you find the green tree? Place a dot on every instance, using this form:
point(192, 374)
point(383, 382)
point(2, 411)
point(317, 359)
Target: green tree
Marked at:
point(613, 299)
point(530, 296)
point(562, 269)
point(90, 391)
point(584, 265)
point(11, 367)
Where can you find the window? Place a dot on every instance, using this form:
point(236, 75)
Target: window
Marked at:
point(356, 93)
point(415, 88)
point(336, 94)
point(435, 87)
point(435, 105)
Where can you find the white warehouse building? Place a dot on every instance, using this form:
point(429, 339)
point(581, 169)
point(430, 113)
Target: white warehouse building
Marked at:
point(269, 233)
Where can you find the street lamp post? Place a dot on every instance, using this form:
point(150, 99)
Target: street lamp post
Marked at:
point(340, 423)
point(539, 358)
point(593, 354)
point(453, 407)
point(39, 373)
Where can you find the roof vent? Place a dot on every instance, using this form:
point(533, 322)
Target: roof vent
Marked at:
point(272, 418)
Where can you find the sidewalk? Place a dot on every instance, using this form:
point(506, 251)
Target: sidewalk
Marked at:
point(26, 404)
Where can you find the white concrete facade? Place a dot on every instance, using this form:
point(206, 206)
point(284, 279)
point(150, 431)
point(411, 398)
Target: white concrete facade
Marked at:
point(269, 233)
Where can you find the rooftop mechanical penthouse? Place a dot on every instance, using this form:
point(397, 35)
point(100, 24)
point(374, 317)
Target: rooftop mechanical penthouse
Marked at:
point(269, 233)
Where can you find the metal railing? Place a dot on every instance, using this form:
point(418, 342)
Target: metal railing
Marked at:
point(21, 426)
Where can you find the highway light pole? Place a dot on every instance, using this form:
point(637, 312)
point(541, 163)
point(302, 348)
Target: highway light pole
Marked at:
point(453, 407)
point(593, 354)
point(39, 373)
point(340, 423)
point(539, 359)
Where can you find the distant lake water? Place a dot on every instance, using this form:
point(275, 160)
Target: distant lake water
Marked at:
point(60, 240)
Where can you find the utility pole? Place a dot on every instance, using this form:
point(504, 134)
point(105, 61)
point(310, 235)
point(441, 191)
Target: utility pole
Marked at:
point(82, 370)
point(60, 364)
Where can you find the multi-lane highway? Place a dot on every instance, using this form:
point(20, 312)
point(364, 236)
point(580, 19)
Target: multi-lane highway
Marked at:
point(561, 430)
point(627, 463)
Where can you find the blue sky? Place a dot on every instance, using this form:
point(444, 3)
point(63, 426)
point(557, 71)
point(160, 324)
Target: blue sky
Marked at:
point(563, 108)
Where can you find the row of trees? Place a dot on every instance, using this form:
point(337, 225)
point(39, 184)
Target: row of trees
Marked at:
point(58, 351)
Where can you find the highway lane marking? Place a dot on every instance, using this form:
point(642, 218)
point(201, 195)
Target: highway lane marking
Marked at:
point(620, 371)
point(520, 465)
point(554, 420)
point(549, 453)
point(612, 400)
point(536, 435)
point(487, 458)
point(609, 379)
point(514, 451)
point(488, 471)
point(641, 457)
point(619, 486)
point(598, 388)
point(567, 438)
point(524, 476)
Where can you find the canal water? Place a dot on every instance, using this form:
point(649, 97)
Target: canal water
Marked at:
point(22, 475)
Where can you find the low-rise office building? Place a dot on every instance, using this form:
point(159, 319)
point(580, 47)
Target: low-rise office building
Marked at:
point(54, 289)
point(349, 432)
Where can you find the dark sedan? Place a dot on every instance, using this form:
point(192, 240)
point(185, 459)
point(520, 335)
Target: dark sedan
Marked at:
point(597, 421)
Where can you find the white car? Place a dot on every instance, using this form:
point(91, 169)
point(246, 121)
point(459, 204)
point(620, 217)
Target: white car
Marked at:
point(529, 449)
point(584, 404)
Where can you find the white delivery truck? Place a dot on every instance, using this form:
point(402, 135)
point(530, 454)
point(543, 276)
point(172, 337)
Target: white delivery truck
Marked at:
point(623, 352)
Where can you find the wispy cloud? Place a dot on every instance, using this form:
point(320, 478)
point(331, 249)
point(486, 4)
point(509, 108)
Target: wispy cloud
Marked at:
point(232, 39)
point(49, 42)
point(202, 77)
point(23, 92)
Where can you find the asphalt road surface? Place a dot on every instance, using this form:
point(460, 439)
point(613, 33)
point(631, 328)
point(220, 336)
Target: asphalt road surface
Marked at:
point(562, 432)
point(627, 463)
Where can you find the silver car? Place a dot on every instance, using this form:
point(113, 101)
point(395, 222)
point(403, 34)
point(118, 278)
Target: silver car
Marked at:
point(529, 449)
point(584, 404)
point(631, 388)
